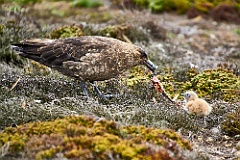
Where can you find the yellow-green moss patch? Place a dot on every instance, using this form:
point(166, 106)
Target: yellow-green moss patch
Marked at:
point(66, 32)
point(87, 137)
point(124, 32)
point(217, 83)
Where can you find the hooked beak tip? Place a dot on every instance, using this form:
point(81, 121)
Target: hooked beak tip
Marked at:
point(150, 65)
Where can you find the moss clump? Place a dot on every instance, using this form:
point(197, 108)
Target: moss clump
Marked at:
point(203, 5)
point(231, 123)
point(168, 82)
point(66, 32)
point(115, 31)
point(26, 2)
point(218, 83)
point(124, 32)
point(237, 31)
point(156, 5)
point(141, 3)
point(86, 3)
point(136, 77)
point(164, 5)
point(175, 5)
point(36, 68)
point(17, 141)
point(139, 83)
point(47, 154)
point(75, 137)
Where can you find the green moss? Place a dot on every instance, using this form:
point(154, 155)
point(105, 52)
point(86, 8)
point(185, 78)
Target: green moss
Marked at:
point(156, 5)
point(82, 136)
point(102, 143)
point(115, 31)
point(17, 142)
point(1, 28)
point(203, 5)
point(35, 68)
point(168, 82)
point(136, 77)
point(66, 32)
point(219, 2)
point(231, 123)
point(237, 31)
point(139, 83)
point(129, 150)
point(78, 152)
point(141, 3)
point(86, 3)
point(124, 32)
point(48, 154)
point(191, 73)
point(162, 5)
point(180, 6)
point(26, 2)
point(218, 83)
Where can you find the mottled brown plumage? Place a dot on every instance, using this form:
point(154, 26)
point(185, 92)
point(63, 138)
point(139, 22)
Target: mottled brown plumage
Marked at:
point(87, 58)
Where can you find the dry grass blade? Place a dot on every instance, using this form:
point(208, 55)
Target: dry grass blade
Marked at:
point(4, 149)
point(14, 84)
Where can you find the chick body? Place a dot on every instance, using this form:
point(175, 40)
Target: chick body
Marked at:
point(198, 107)
point(195, 105)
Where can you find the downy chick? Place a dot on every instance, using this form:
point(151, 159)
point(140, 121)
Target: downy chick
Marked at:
point(195, 105)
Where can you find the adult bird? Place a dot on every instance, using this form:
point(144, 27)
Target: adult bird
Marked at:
point(86, 58)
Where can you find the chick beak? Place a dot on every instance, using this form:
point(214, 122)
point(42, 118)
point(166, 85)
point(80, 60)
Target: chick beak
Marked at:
point(150, 65)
